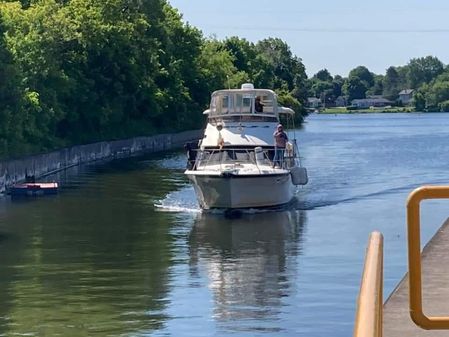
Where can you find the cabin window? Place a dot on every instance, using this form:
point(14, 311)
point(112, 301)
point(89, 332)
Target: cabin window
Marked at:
point(267, 101)
point(225, 156)
point(224, 104)
point(243, 103)
point(213, 105)
point(246, 104)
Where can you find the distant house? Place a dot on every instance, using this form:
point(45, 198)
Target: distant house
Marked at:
point(373, 101)
point(406, 96)
point(313, 102)
point(341, 101)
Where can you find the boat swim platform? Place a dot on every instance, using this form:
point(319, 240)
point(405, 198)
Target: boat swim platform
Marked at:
point(435, 290)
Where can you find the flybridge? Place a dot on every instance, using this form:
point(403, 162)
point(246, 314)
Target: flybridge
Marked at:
point(247, 103)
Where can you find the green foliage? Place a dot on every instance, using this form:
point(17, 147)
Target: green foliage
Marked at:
point(285, 98)
point(217, 66)
point(323, 86)
point(424, 74)
point(419, 101)
point(377, 87)
point(279, 69)
point(323, 75)
point(444, 106)
point(363, 74)
point(337, 85)
point(423, 70)
point(78, 71)
point(354, 88)
point(391, 84)
point(243, 52)
point(437, 93)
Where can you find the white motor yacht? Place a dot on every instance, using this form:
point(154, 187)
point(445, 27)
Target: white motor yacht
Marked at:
point(232, 165)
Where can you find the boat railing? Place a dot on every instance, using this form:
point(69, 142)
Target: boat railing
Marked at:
point(369, 312)
point(226, 156)
point(231, 158)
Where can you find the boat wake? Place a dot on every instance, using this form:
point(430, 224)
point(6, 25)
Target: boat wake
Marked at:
point(310, 204)
point(182, 200)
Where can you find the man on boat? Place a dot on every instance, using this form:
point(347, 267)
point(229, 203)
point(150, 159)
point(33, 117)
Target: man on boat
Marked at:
point(258, 105)
point(280, 141)
point(220, 140)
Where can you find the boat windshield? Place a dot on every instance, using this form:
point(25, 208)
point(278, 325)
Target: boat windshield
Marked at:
point(254, 102)
point(214, 157)
point(227, 156)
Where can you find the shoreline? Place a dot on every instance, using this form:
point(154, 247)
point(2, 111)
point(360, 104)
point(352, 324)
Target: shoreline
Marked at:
point(366, 111)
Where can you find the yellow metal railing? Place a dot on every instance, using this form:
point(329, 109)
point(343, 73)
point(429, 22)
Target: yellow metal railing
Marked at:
point(414, 256)
point(368, 319)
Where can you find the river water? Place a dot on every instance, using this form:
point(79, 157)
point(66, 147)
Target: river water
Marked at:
point(124, 250)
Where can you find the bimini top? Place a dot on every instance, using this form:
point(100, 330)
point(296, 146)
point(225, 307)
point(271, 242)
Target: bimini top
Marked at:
point(245, 102)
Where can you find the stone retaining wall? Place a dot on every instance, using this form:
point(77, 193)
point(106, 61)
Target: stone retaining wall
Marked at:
point(13, 171)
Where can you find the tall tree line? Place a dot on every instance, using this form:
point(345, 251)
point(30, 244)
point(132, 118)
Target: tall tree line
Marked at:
point(79, 71)
point(427, 76)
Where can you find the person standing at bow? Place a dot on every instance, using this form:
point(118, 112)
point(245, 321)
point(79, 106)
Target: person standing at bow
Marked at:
point(280, 141)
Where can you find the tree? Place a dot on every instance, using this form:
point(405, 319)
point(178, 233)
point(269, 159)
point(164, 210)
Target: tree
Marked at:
point(243, 53)
point(423, 70)
point(437, 93)
point(287, 69)
point(321, 87)
point(11, 104)
point(337, 85)
point(419, 100)
point(377, 88)
point(323, 75)
point(391, 84)
point(444, 106)
point(286, 99)
point(364, 75)
point(217, 67)
point(78, 71)
point(354, 88)
point(279, 68)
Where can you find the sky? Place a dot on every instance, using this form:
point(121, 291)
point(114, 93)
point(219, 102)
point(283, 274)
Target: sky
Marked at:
point(338, 35)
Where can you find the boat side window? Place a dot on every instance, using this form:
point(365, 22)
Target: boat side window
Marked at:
point(246, 104)
point(243, 104)
point(224, 104)
point(267, 101)
point(213, 105)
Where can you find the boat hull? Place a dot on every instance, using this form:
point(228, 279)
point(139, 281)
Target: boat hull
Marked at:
point(242, 191)
point(33, 189)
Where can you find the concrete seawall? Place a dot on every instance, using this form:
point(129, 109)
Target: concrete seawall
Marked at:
point(13, 171)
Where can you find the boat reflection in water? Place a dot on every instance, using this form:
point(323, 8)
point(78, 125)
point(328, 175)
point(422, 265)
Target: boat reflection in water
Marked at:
point(250, 262)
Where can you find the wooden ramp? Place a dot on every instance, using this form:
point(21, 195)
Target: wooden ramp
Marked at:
point(435, 278)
